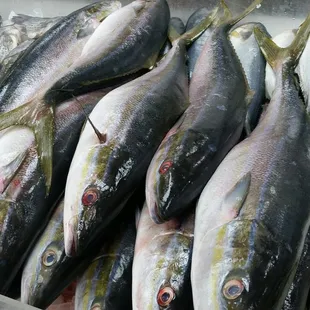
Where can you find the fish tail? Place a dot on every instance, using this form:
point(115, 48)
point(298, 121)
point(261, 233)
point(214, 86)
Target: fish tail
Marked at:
point(191, 35)
point(41, 122)
point(276, 55)
point(254, 5)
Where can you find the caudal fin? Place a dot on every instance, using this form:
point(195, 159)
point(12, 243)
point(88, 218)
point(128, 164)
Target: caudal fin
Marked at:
point(40, 118)
point(276, 55)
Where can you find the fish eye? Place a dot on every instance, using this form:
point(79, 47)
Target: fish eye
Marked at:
point(165, 166)
point(165, 296)
point(233, 289)
point(49, 258)
point(90, 197)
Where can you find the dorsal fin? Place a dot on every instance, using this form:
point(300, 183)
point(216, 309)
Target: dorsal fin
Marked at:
point(102, 137)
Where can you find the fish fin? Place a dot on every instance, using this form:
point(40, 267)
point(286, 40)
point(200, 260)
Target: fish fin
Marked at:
point(41, 121)
point(102, 137)
point(173, 34)
point(8, 171)
point(191, 35)
point(234, 199)
point(254, 5)
point(276, 55)
point(222, 18)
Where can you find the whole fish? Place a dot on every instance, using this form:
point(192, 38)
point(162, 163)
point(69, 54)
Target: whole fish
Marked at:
point(253, 216)
point(297, 296)
point(13, 55)
point(35, 26)
point(283, 39)
point(48, 271)
point(10, 37)
point(25, 207)
point(179, 26)
point(162, 261)
point(254, 65)
point(127, 41)
point(303, 70)
point(106, 283)
point(36, 70)
point(209, 128)
point(115, 149)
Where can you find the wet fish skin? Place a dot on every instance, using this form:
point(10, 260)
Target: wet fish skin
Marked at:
point(298, 292)
point(35, 26)
point(13, 55)
point(253, 214)
point(133, 120)
point(209, 128)
point(136, 43)
point(162, 263)
point(107, 281)
point(254, 64)
point(10, 37)
point(196, 48)
point(24, 204)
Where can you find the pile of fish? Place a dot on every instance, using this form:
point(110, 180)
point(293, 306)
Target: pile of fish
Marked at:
point(156, 165)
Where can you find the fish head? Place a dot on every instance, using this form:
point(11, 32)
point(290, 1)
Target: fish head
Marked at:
point(38, 279)
point(164, 273)
point(169, 190)
point(90, 200)
point(246, 269)
point(45, 265)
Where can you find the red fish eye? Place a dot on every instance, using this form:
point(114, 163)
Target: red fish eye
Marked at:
point(90, 196)
point(165, 296)
point(165, 166)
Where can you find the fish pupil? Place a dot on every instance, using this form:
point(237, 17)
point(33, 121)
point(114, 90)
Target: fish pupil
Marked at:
point(234, 290)
point(165, 297)
point(165, 167)
point(50, 258)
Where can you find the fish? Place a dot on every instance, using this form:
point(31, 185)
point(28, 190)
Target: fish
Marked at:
point(253, 216)
point(209, 128)
point(13, 55)
point(283, 39)
point(35, 71)
point(117, 145)
point(25, 207)
point(35, 26)
point(303, 71)
point(254, 65)
point(298, 292)
point(106, 283)
point(48, 271)
point(179, 27)
point(127, 41)
point(162, 263)
point(10, 37)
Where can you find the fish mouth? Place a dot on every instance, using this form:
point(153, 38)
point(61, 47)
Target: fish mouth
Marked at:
point(70, 238)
